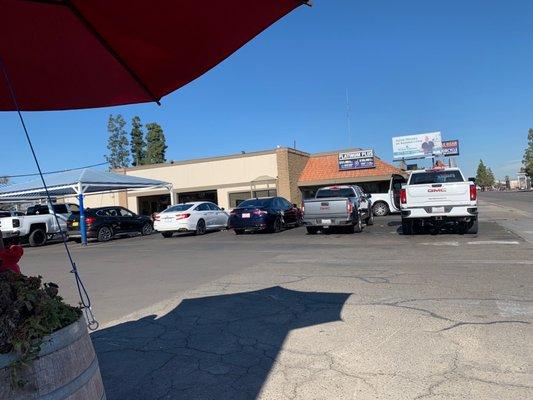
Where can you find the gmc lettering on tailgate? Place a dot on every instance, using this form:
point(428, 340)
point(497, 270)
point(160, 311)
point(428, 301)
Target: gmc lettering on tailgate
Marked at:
point(439, 190)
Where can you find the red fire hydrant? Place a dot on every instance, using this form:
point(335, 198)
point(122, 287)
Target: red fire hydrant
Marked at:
point(9, 258)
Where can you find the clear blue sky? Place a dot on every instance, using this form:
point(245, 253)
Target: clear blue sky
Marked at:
point(462, 67)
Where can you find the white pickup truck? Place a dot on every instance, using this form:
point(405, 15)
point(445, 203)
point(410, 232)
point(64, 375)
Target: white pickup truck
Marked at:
point(436, 198)
point(38, 225)
point(389, 202)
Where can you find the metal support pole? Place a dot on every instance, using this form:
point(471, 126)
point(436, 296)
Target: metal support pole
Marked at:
point(83, 225)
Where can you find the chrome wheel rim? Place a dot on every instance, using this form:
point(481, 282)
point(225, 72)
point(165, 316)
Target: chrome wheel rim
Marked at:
point(380, 209)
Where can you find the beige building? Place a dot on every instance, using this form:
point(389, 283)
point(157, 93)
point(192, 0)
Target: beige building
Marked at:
point(227, 180)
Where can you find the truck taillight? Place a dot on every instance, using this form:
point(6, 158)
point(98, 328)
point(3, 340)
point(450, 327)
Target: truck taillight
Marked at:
point(90, 220)
point(473, 192)
point(403, 196)
point(349, 207)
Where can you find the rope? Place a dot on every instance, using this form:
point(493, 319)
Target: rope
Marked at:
point(85, 300)
point(55, 172)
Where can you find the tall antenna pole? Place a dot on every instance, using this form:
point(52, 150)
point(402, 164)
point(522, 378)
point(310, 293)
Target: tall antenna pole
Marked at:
point(348, 122)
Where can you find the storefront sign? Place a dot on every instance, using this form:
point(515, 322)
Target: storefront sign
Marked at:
point(362, 159)
point(450, 148)
point(417, 146)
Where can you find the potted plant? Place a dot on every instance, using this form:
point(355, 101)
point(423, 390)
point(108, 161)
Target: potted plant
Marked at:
point(45, 349)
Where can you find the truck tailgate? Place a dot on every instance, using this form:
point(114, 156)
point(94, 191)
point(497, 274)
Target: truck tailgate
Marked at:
point(327, 207)
point(456, 193)
point(6, 224)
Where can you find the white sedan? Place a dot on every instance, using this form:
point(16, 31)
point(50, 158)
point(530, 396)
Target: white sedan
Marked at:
point(198, 217)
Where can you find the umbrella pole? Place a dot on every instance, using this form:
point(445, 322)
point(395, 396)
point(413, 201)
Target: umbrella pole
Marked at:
point(85, 300)
point(83, 224)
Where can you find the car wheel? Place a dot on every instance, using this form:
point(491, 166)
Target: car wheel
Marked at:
point(167, 235)
point(407, 227)
point(239, 231)
point(104, 234)
point(277, 226)
point(370, 219)
point(200, 227)
point(472, 226)
point(358, 226)
point(312, 230)
point(147, 229)
point(380, 209)
point(37, 238)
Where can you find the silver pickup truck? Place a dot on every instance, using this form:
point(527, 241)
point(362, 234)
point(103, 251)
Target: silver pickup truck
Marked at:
point(338, 206)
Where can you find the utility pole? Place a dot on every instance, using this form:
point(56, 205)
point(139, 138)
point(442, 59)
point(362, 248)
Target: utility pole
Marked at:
point(348, 122)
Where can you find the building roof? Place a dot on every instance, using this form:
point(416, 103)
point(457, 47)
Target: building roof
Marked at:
point(324, 168)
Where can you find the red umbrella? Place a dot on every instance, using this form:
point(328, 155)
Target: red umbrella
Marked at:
point(66, 54)
point(63, 54)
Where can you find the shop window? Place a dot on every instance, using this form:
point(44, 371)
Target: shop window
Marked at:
point(237, 198)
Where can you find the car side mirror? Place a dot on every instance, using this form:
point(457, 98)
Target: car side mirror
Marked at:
point(368, 195)
point(294, 205)
point(222, 208)
point(472, 179)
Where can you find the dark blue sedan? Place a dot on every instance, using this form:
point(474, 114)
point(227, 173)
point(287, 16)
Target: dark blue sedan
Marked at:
point(264, 214)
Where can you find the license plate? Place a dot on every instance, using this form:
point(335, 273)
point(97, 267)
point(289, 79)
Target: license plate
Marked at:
point(75, 223)
point(246, 215)
point(438, 209)
point(326, 221)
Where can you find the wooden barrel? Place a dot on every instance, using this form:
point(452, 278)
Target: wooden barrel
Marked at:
point(67, 368)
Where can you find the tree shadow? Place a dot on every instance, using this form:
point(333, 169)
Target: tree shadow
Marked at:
point(217, 347)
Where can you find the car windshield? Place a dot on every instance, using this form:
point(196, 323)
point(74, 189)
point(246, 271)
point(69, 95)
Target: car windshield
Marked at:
point(178, 208)
point(255, 203)
point(435, 177)
point(334, 192)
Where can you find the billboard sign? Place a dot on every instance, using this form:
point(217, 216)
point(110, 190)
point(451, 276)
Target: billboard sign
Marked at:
point(450, 148)
point(361, 159)
point(417, 146)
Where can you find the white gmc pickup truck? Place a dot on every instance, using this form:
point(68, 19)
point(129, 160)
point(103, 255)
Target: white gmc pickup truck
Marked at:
point(436, 198)
point(38, 225)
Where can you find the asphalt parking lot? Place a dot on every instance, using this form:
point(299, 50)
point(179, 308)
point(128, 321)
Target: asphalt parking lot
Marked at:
point(375, 315)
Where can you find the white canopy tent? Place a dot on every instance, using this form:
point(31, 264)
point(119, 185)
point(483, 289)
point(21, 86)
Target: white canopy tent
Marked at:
point(78, 183)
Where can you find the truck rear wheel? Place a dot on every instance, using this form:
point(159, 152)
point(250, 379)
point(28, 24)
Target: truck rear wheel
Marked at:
point(407, 227)
point(312, 230)
point(37, 237)
point(358, 226)
point(472, 226)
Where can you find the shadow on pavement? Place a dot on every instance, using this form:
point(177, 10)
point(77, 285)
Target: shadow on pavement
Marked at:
point(218, 347)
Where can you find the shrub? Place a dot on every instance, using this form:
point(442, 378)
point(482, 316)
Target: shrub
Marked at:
point(30, 310)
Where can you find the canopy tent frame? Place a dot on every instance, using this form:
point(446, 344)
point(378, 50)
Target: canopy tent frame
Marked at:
point(79, 188)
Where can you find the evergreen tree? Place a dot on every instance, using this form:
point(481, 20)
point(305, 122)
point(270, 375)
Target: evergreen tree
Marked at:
point(117, 143)
point(484, 175)
point(528, 155)
point(155, 144)
point(490, 177)
point(138, 144)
